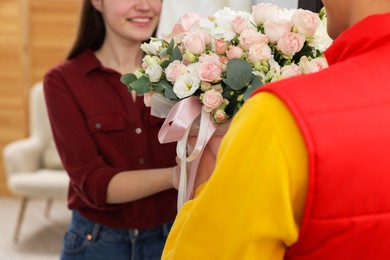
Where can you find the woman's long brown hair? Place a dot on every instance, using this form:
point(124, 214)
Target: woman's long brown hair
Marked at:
point(91, 31)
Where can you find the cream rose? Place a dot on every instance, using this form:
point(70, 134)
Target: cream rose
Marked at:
point(194, 42)
point(290, 43)
point(305, 22)
point(264, 11)
point(276, 28)
point(251, 36)
point(313, 65)
point(174, 70)
point(211, 100)
point(259, 52)
point(290, 71)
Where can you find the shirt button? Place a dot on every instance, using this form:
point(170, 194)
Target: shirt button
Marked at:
point(141, 160)
point(98, 126)
point(138, 130)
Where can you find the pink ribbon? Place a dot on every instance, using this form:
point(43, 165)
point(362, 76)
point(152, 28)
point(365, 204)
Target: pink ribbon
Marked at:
point(176, 128)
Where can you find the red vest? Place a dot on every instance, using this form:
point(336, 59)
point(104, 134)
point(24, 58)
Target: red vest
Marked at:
point(343, 113)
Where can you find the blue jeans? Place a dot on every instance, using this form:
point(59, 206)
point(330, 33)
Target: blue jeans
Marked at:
point(86, 240)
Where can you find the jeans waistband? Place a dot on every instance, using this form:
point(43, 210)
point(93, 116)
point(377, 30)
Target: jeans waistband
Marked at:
point(86, 226)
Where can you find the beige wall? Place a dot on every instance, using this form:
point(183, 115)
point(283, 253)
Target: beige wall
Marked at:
point(34, 36)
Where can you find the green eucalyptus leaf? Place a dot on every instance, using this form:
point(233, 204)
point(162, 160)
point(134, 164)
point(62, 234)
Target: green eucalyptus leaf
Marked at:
point(165, 64)
point(170, 47)
point(238, 74)
point(255, 84)
point(176, 54)
point(141, 85)
point(128, 78)
point(168, 89)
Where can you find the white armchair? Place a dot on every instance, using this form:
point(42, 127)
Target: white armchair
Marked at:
point(33, 167)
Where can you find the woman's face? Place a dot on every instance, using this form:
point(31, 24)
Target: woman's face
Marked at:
point(134, 20)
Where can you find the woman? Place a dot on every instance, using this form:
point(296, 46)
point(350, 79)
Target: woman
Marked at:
point(121, 189)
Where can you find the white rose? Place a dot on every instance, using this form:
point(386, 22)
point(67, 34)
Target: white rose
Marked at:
point(154, 72)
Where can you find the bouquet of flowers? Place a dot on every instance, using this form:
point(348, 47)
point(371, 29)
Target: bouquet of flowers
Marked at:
point(210, 66)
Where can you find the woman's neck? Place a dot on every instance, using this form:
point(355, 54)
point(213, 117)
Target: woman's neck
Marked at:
point(121, 57)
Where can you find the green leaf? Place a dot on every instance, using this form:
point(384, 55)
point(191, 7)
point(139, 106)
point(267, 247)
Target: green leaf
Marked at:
point(176, 54)
point(255, 84)
point(238, 74)
point(168, 89)
point(165, 64)
point(170, 47)
point(141, 85)
point(128, 78)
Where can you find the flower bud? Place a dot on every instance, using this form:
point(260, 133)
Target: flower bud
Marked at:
point(190, 57)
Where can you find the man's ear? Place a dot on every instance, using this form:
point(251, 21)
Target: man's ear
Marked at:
point(97, 4)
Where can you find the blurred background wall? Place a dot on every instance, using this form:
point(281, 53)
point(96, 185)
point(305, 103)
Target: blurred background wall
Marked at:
point(34, 36)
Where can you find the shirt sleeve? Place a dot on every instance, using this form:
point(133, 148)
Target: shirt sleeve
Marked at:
point(252, 205)
point(88, 172)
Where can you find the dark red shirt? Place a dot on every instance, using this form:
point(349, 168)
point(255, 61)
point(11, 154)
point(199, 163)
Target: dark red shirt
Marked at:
point(100, 131)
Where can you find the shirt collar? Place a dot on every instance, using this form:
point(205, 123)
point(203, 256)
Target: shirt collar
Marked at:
point(90, 63)
point(366, 35)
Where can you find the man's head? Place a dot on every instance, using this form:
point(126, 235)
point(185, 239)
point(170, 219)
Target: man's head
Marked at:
point(342, 14)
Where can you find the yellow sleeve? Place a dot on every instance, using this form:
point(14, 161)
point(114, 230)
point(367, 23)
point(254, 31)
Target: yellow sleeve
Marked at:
point(252, 205)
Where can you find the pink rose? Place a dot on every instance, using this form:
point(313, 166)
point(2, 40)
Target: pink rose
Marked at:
point(220, 116)
point(205, 35)
point(220, 46)
point(183, 25)
point(211, 100)
point(290, 71)
point(264, 11)
point(239, 24)
point(259, 52)
point(210, 68)
point(234, 52)
point(174, 70)
point(276, 28)
point(194, 42)
point(290, 43)
point(251, 36)
point(305, 22)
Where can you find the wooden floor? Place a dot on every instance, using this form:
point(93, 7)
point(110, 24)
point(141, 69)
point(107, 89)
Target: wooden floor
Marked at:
point(40, 237)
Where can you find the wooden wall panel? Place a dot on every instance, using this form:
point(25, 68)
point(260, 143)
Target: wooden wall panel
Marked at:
point(53, 25)
point(34, 36)
point(12, 98)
